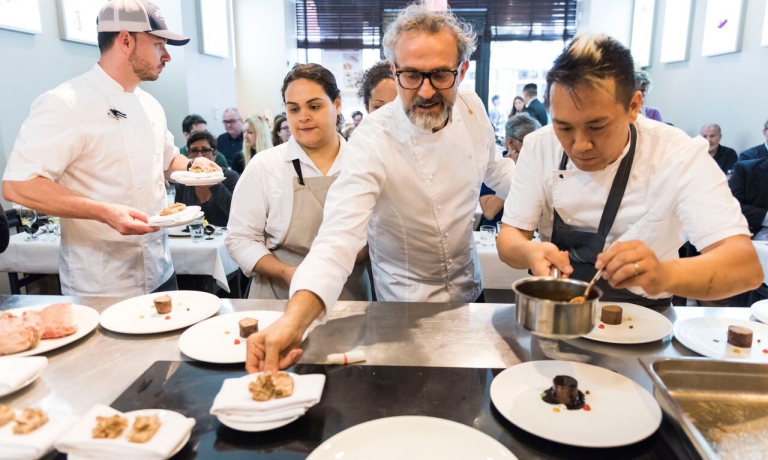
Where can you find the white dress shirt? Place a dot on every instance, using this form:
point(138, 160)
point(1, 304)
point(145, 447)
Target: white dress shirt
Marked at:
point(262, 204)
point(71, 138)
point(675, 189)
point(419, 190)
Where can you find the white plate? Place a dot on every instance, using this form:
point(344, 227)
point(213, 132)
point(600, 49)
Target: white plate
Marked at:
point(203, 181)
point(760, 310)
point(175, 220)
point(709, 337)
point(254, 427)
point(213, 340)
point(11, 363)
point(138, 316)
point(647, 325)
point(86, 319)
point(621, 411)
point(411, 438)
point(162, 413)
point(192, 179)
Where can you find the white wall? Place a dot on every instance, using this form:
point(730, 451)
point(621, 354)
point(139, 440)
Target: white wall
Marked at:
point(265, 33)
point(611, 17)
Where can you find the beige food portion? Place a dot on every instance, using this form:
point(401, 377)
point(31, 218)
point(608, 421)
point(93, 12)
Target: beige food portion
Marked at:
point(144, 429)
point(265, 387)
point(19, 334)
point(109, 427)
point(163, 304)
point(173, 209)
point(6, 415)
point(197, 169)
point(611, 314)
point(29, 421)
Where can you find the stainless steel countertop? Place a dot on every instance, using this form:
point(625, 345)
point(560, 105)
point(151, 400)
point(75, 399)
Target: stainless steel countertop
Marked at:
point(100, 366)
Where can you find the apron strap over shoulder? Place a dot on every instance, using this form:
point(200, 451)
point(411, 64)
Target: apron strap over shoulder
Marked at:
point(297, 167)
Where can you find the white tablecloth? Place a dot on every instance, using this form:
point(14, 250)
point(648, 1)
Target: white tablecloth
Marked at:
point(762, 253)
point(208, 257)
point(496, 274)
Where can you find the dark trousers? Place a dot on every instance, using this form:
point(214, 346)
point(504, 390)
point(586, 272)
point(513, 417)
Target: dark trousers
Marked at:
point(170, 285)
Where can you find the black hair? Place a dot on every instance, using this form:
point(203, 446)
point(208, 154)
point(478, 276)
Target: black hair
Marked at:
point(356, 113)
point(199, 136)
point(276, 129)
point(370, 78)
point(531, 89)
point(190, 121)
point(591, 59)
point(495, 98)
point(315, 73)
point(107, 39)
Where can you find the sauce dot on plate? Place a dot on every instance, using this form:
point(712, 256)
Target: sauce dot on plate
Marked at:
point(736, 350)
point(631, 327)
point(629, 318)
point(765, 350)
point(167, 317)
point(141, 317)
point(715, 340)
point(587, 408)
point(602, 326)
point(226, 332)
point(556, 409)
point(237, 342)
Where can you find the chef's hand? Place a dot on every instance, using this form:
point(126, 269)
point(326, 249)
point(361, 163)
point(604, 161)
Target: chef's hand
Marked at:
point(127, 220)
point(543, 256)
point(633, 264)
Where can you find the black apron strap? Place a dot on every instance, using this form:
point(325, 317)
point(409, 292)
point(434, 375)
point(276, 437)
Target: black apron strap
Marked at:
point(297, 167)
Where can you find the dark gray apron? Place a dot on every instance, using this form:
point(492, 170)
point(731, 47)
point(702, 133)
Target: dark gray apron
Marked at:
point(583, 247)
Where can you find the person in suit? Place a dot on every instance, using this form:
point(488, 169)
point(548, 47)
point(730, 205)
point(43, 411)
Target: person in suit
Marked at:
point(758, 151)
point(749, 185)
point(724, 156)
point(533, 105)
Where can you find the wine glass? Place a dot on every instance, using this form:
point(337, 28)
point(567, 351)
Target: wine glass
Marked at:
point(28, 220)
point(56, 223)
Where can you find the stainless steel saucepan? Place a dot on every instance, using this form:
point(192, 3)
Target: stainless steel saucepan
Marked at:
point(544, 308)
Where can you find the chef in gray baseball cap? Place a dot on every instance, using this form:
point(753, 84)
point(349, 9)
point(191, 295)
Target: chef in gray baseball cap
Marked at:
point(96, 151)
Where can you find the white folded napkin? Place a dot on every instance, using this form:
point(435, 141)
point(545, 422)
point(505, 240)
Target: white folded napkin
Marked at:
point(178, 217)
point(35, 444)
point(234, 399)
point(16, 371)
point(355, 356)
point(79, 439)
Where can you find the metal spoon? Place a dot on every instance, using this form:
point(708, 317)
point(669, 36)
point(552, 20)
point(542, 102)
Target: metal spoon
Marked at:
point(583, 298)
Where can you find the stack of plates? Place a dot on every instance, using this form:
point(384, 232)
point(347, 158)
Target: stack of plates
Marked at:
point(193, 179)
point(190, 214)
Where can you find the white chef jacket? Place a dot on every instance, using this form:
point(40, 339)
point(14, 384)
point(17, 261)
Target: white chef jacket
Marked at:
point(262, 204)
point(675, 189)
point(71, 138)
point(419, 190)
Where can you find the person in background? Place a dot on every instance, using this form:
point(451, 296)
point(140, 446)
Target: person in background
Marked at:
point(495, 115)
point(518, 106)
point(758, 151)
point(5, 231)
point(214, 200)
point(609, 189)
point(725, 157)
point(516, 128)
point(643, 84)
point(256, 138)
point(410, 184)
point(278, 204)
point(749, 185)
point(197, 123)
point(231, 142)
point(533, 105)
point(377, 86)
point(96, 152)
point(357, 117)
point(281, 131)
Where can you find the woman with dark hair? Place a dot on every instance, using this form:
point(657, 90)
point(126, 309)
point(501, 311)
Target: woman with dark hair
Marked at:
point(278, 207)
point(377, 86)
point(518, 106)
point(281, 132)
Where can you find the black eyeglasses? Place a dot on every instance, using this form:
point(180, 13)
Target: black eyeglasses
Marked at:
point(200, 151)
point(439, 79)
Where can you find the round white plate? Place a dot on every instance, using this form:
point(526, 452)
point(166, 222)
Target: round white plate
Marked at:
point(411, 438)
point(138, 316)
point(86, 319)
point(10, 363)
point(163, 414)
point(709, 337)
point(621, 411)
point(192, 179)
point(213, 340)
point(203, 181)
point(647, 325)
point(760, 310)
point(185, 217)
point(254, 427)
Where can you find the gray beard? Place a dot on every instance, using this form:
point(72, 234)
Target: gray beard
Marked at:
point(427, 120)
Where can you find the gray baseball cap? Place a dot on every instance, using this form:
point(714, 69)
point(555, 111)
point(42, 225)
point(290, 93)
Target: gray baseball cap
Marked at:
point(137, 16)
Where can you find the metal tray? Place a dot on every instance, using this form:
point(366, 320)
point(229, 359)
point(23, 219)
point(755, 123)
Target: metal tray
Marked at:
point(722, 406)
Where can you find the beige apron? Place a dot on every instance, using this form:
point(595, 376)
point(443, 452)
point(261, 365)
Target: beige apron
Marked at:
point(306, 216)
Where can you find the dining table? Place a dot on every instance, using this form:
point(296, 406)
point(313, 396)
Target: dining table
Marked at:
point(208, 257)
point(421, 359)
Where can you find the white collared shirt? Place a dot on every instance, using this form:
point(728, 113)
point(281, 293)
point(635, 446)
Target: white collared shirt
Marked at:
point(675, 189)
point(262, 204)
point(415, 192)
point(71, 138)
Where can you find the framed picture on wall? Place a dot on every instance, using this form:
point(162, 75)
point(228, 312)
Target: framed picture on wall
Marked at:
point(723, 24)
point(764, 41)
point(78, 20)
point(642, 32)
point(21, 16)
point(676, 34)
point(214, 27)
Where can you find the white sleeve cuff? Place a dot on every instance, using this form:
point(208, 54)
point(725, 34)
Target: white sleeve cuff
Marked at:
point(306, 279)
